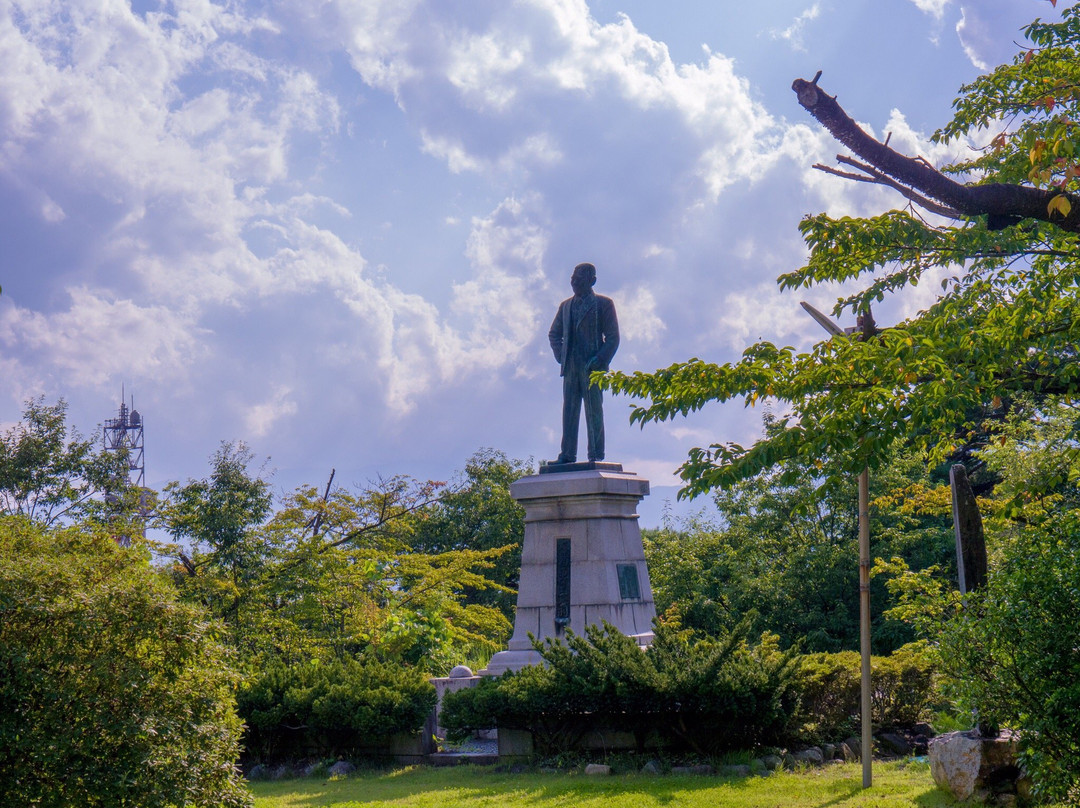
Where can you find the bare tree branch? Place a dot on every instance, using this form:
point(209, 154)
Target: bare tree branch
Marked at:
point(1003, 204)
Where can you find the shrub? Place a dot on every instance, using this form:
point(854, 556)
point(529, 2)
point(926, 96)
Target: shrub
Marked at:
point(111, 692)
point(703, 694)
point(1012, 651)
point(331, 708)
point(902, 690)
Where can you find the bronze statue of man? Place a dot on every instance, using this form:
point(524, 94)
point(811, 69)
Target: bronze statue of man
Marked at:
point(584, 337)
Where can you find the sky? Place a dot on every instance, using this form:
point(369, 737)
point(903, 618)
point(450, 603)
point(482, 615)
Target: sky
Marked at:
point(338, 231)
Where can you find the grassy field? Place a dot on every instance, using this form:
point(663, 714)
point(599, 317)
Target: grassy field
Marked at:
point(895, 784)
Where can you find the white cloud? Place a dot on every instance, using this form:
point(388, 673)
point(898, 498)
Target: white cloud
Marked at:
point(990, 30)
point(261, 418)
point(793, 34)
point(935, 8)
point(638, 320)
point(98, 338)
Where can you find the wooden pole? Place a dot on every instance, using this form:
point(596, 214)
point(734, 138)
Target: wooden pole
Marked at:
point(866, 325)
point(864, 626)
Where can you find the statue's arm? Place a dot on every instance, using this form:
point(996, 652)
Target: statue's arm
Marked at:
point(609, 328)
point(555, 335)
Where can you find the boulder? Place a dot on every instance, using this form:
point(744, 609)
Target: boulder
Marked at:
point(854, 745)
point(894, 743)
point(259, 772)
point(810, 757)
point(772, 762)
point(597, 769)
point(341, 768)
point(966, 764)
point(652, 767)
point(735, 770)
point(924, 729)
point(828, 750)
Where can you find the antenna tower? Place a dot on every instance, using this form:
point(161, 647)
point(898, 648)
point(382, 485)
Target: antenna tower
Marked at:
point(125, 434)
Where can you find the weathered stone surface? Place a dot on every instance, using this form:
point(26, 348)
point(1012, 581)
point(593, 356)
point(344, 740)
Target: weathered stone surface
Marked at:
point(652, 767)
point(894, 743)
point(596, 511)
point(828, 750)
point(341, 768)
point(772, 762)
point(735, 770)
point(924, 729)
point(965, 764)
point(281, 773)
point(597, 769)
point(259, 772)
point(854, 744)
point(810, 757)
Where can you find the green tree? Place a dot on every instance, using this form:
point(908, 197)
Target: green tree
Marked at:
point(1003, 227)
point(112, 693)
point(783, 554)
point(1005, 324)
point(49, 472)
point(478, 513)
point(331, 573)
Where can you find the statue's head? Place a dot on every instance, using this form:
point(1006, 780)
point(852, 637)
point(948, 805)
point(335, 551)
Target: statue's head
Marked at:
point(583, 278)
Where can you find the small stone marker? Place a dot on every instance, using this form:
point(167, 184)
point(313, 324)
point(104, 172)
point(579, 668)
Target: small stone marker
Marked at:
point(598, 769)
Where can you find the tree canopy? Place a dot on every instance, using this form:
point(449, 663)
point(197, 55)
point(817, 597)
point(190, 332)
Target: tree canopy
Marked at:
point(1005, 323)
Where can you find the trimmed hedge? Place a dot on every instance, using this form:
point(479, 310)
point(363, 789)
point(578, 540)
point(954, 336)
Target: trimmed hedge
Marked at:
point(683, 692)
point(902, 690)
point(339, 707)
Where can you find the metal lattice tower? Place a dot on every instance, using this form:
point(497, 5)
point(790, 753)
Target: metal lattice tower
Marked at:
point(125, 434)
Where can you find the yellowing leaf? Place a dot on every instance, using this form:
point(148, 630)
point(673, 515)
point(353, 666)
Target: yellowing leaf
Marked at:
point(1059, 203)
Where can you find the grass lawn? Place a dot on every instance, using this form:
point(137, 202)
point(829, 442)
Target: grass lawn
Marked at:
point(895, 784)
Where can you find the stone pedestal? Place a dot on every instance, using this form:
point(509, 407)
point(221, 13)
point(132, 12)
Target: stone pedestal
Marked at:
point(582, 560)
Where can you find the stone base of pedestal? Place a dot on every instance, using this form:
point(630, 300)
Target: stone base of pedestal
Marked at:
point(582, 561)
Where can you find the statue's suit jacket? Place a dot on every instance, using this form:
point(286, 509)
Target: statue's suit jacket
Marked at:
point(596, 325)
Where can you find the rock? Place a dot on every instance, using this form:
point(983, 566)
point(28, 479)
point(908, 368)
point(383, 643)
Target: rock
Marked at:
point(965, 764)
point(789, 761)
point(341, 769)
point(735, 770)
point(461, 672)
point(810, 757)
point(313, 769)
point(847, 754)
point(854, 743)
point(895, 743)
point(652, 767)
point(259, 772)
point(828, 750)
point(924, 729)
point(702, 768)
point(772, 762)
point(282, 772)
point(597, 769)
